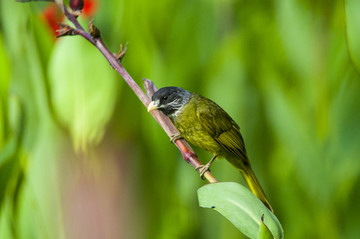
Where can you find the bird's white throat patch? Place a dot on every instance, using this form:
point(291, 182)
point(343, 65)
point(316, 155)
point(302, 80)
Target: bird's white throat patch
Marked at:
point(177, 112)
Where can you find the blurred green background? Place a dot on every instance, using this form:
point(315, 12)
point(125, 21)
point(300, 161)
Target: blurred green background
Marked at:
point(80, 157)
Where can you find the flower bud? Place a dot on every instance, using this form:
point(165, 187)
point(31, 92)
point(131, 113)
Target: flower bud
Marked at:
point(76, 5)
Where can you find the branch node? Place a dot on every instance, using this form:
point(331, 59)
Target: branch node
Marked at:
point(93, 30)
point(65, 30)
point(120, 55)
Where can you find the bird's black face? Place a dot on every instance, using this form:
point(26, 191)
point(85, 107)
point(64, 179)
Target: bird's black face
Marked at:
point(169, 100)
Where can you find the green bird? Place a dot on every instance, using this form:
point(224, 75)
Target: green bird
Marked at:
point(205, 124)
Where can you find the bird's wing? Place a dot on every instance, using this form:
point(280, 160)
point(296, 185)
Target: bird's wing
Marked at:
point(221, 127)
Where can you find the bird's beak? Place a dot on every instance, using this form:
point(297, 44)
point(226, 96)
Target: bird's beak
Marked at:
point(152, 106)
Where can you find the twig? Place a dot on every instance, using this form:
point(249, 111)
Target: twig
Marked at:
point(93, 36)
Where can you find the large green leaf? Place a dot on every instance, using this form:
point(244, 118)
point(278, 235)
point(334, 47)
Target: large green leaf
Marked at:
point(241, 207)
point(352, 30)
point(83, 90)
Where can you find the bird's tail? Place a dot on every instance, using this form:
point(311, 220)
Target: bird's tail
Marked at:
point(255, 186)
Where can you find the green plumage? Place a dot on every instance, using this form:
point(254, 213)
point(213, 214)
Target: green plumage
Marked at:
point(203, 123)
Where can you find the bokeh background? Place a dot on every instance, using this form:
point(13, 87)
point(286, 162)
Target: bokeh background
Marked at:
point(80, 157)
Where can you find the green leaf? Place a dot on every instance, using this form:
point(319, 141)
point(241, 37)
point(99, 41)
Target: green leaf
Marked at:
point(352, 30)
point(8, 151)
point(241, 207)
point(83, 88)
point(9, 154)
point(4, 87)
point(16, 123)
point(264, 232)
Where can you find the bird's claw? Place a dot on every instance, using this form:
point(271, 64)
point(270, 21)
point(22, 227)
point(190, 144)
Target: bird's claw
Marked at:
point(175, 137)
point(202, 169)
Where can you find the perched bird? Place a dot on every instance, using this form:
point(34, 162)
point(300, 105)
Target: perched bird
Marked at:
point(205, 124)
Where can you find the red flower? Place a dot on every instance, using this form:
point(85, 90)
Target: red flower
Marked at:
point(52, 15)
point(90, 7)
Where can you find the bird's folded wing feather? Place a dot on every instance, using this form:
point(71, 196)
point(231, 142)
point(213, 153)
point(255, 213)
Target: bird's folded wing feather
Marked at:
point(221, 127)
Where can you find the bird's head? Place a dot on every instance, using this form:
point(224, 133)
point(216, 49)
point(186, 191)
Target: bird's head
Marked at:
point(169, 100)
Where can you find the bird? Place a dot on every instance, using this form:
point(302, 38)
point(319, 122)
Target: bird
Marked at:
point(206, 125)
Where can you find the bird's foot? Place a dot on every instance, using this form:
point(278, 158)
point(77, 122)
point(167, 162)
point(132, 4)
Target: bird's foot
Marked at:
point(202, 169)
point(175, 137)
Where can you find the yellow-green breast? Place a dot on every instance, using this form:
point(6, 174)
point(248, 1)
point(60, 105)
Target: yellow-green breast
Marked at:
point(205, 124)
point(191, 128)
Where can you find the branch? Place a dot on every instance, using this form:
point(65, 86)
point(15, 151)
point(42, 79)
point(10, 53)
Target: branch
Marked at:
point(93, 36)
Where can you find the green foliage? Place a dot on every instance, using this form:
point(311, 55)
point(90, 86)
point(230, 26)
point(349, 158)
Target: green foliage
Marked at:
point(353, 31)
point(92, 163)
point(241, 207)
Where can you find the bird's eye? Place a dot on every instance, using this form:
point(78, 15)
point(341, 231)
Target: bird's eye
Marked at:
point(164, 98)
